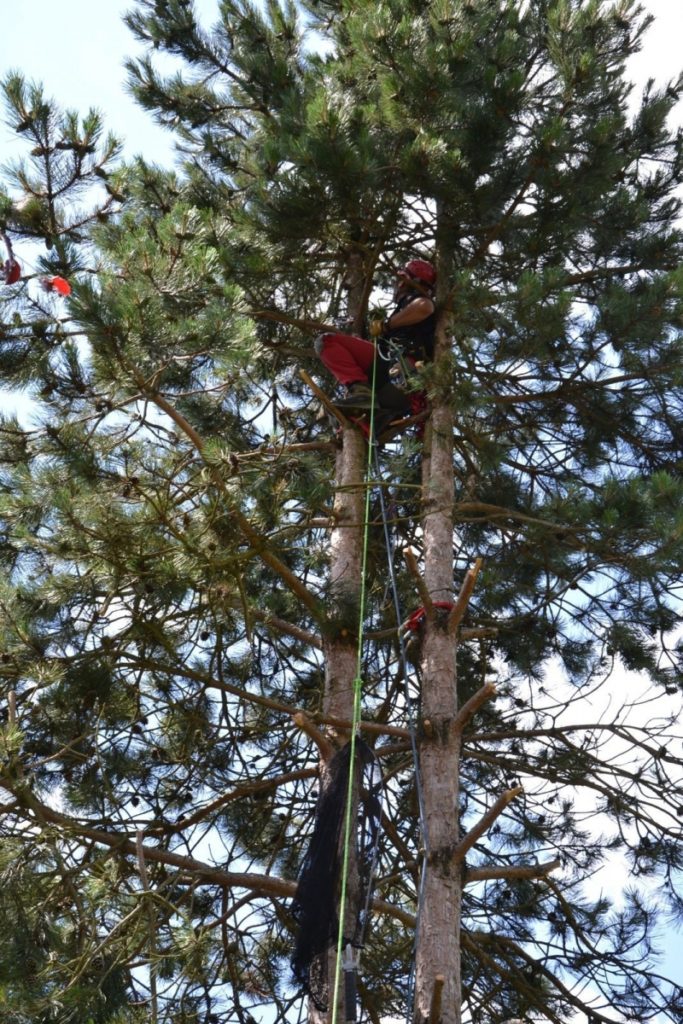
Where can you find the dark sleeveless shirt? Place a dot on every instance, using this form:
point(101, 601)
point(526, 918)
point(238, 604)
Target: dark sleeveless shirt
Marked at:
point(416, 340)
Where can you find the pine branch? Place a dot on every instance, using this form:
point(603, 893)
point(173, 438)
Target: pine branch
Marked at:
point(376, 728)
point(256, 540)
point(460, 607)
point(249, 789)
point(276, 316)
point(468, 509)
point(264, 885)
point(372, 727)
point(478, 633)
point(303, 722)
point(425, 596)
point(572, 389)
point(483, 874)
point(270, 620)
point(470, 708)
point(485, 823)
point(511, 979)
point(474, 942)
point(288, 449)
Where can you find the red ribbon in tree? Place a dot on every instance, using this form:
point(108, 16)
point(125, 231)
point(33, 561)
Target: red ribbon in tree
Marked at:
point(11, 268)
point(56, 284)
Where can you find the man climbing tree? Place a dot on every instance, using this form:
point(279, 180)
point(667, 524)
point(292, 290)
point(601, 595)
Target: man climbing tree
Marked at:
point(203, 595)
point(403, 340)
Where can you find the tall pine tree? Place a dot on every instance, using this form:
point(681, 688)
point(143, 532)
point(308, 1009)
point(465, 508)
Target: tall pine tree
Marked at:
point(183, 535)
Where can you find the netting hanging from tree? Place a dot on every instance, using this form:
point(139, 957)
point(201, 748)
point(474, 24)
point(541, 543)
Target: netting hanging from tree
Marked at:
point(316, 901)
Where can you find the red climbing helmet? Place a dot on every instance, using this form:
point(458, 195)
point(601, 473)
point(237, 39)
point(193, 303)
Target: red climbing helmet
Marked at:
point(420, 270)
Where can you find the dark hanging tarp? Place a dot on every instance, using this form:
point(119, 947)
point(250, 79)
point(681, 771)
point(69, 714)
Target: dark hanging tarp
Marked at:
point(316, 901)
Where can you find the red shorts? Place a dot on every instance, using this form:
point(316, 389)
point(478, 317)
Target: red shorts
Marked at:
point(347, 357)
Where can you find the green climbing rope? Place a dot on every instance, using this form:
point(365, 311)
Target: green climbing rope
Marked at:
point(355, 722)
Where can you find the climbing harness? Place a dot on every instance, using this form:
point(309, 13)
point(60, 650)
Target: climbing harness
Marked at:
point(402, 372)
point(391, 352)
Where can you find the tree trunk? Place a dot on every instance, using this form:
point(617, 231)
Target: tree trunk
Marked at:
point(346, 538)
point(346, 555)
point(438, 944)
point(340, 645)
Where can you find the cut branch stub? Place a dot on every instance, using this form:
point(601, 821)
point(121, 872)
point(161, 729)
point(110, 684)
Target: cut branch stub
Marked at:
point(460, 606)
point(425, 596)
point(484, 693)
point(485, 823)
point(435, 1006)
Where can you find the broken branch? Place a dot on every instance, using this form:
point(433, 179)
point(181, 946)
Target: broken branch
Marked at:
point(463, 598)
point(411, 562)
point(471, 706)
point(485, 823)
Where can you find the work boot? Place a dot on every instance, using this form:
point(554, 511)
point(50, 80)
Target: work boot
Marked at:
point(382, 420)
point(358, 396)
point(394, 400)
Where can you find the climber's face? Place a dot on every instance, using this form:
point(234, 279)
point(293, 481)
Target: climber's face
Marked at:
point(403, 284)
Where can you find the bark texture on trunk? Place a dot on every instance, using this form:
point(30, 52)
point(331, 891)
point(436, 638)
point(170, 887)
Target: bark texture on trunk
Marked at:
point(346, 537)
point(346, 551)
point(438, 947)
point(340, 644)
point(340, 651)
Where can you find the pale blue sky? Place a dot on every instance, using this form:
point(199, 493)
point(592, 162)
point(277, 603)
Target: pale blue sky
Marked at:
point(77, 48)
